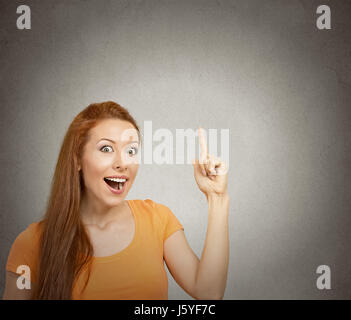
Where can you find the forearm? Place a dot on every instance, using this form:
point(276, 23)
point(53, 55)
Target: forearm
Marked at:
point(211, 276)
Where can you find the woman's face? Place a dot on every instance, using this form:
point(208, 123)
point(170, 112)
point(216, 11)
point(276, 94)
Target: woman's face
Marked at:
point(110, 161)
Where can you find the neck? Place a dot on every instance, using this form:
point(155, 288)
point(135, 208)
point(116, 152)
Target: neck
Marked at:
point(94, 212)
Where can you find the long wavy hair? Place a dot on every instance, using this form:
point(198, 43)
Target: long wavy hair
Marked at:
point(65, 249)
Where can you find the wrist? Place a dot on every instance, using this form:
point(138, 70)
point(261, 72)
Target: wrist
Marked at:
point(218, 197)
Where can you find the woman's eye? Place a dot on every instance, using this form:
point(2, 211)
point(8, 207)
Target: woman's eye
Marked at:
point(106, 149)
point(133, 151)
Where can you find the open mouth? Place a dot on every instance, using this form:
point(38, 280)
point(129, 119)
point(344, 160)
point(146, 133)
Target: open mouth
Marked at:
point(116, 183)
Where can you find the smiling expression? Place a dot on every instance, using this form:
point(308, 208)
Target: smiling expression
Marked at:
point(110, 161)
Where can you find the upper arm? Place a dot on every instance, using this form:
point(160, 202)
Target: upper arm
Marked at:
point(12, 292)
point(181, 261)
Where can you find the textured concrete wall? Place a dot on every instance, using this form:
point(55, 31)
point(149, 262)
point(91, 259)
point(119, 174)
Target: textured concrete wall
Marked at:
point(260, 68)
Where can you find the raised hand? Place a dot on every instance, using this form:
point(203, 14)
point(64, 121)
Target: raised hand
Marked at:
point(211, 173)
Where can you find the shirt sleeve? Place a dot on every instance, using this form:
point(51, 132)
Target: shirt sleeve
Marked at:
point(23, 253)
point(171, 223)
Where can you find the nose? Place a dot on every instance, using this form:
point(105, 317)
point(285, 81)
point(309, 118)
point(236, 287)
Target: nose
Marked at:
point(119, 162)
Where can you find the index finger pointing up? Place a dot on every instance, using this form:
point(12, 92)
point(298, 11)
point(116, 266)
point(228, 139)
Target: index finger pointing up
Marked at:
point(203, 144)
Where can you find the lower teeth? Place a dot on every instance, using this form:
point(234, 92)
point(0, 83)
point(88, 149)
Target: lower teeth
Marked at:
point(119, 185)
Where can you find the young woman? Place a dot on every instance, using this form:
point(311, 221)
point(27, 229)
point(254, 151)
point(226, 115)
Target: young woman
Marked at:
point(94, 244)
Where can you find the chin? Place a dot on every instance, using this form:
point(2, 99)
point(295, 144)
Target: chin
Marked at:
point(115, 202)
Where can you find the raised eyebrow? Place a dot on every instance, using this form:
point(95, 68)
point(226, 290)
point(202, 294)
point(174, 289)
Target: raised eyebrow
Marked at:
point(130, 142)
point(107, 140)
point(127, 142)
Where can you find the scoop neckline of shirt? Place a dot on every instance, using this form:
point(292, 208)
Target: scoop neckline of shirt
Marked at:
point(129, 246)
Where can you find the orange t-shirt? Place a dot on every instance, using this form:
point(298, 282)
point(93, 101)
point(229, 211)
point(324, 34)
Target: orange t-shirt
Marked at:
point(137, 272)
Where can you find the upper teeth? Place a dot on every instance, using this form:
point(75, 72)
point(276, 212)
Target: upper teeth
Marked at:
point(116, 179)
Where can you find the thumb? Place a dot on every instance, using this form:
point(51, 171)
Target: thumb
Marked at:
point(195, 164)
point(197, 167)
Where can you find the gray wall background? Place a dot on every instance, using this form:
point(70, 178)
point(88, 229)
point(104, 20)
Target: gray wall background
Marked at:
point(260, 68)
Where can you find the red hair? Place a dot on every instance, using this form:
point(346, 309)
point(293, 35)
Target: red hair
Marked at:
point(65, 249)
